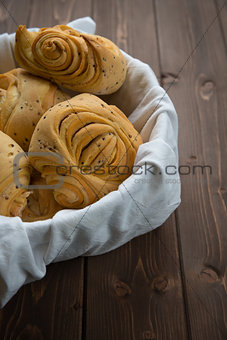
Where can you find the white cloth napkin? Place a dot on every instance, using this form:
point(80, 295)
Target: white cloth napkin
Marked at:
point(142, 202)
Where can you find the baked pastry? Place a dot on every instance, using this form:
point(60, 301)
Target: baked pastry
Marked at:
point(77, 61)
point(41, 204)
point(97, 143)
point(12, 196)
point(23, 100)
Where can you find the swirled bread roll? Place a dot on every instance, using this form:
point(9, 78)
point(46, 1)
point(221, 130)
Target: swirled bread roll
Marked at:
point(12, 197)
point(97, 143)
point(77, 61)
point(41, 204)
point(23, 100)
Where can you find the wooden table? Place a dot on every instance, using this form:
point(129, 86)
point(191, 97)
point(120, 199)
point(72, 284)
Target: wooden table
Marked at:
point(170, 284)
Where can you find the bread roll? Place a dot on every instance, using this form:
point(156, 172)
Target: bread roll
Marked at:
point(12, 197)
point(23, 100)
point(98, 145)
point(77, 61)
point(41, 204)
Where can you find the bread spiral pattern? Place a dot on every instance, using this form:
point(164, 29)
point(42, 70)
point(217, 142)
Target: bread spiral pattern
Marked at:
point(77, 61)
point(12, 198)
point(98, 145)
point(23, 100)
point(41, 204)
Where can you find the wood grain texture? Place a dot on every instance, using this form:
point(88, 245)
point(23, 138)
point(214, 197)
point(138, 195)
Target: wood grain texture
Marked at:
point(51, 308)
point(199, 95)
point(12, 14)
point(221, 8)
point(58, 12)
point(129, 24)
point(170, 284)
point(135, 292)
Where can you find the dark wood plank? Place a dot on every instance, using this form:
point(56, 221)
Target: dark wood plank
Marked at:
point(12, 14)
point(58, 12)
point(199, 94)
point(135, 292)
point(221, 8)
point(51, 308)
point(130, 26)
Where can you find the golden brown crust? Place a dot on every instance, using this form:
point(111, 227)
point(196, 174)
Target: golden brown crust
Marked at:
point(41, 204)
point(77, 61)
point(98, 145)
point(23, 100)
point(12, 198)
